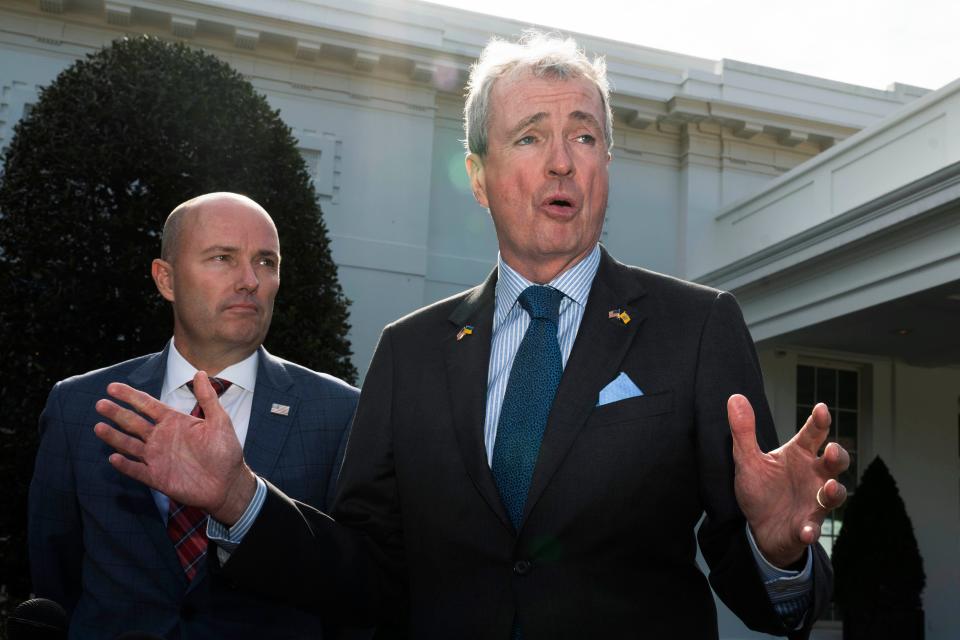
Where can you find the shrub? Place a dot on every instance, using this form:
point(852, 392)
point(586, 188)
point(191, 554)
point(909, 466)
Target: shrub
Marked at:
point(878, 571)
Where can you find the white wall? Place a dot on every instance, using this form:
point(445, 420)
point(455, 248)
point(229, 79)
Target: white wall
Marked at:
point(925, 461)
point(378, 211)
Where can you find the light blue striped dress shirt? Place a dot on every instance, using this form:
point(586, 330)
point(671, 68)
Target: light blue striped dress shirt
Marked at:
point(510, 322)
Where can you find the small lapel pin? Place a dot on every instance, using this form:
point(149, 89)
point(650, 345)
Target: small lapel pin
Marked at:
point(467, 330)
point(280, 409)
point(619, 313)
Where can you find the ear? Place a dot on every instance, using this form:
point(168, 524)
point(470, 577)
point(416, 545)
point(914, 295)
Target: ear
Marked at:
point(162, 272)
point(477, 180)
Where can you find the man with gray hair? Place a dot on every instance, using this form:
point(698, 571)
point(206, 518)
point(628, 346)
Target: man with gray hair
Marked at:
point(530, 458)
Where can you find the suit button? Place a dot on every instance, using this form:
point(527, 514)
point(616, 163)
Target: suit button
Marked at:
point(522, 567)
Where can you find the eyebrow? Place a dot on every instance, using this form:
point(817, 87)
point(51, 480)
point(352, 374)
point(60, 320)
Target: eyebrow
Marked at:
point(526, 122)
point(222, 248)
point(581, 116)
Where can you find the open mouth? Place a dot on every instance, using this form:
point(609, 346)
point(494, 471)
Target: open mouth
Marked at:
point(560, 203)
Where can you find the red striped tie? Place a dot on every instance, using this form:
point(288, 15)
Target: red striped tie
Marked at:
point(187, 526)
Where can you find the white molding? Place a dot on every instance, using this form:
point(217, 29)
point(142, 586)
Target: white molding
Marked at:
point(306, 50)
point(363, 61)
point(910, 202)
point(52, 6)
point(245, 38)
point(118, 14)
point(744, 96)
point(183, 27)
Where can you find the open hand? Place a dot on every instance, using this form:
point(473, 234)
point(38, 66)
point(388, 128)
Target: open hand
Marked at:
point(195, 461)
point(786, 493)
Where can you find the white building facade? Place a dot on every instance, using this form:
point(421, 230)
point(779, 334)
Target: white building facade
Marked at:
point(831, 210)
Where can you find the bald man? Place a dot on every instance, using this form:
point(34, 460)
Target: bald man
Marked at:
point(121, 557)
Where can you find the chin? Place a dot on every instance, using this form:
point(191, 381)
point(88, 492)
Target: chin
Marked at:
point(568, 249)
point(249, 339)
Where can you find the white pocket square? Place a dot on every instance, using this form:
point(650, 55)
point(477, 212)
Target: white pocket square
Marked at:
point(621, 388)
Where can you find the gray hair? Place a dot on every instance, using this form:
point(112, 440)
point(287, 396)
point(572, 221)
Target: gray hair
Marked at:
point(543, 55)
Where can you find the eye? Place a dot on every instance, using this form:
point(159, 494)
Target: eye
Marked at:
point(220, 258)
point(585, 138)
point(267, 262)
point(526, 140)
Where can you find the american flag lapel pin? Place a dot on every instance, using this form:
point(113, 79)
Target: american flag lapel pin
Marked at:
point(466, 331)
point(619, 313)
point(280, 409)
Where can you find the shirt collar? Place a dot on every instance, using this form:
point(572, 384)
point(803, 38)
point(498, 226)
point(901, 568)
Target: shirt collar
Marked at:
point(574, 283)
point(179, 372)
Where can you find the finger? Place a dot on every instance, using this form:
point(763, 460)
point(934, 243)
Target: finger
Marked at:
point(127, 445)
point(832, 494)
point(136, 470)
point(835, 460)
point(815, 430)
point(743, 427)
point(809, 532)
point(128, 420)
point(206, 396)
point(142, 402)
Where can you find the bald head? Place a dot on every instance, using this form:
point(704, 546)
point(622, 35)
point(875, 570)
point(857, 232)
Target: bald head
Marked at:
point(176, 222)
point(220, 271)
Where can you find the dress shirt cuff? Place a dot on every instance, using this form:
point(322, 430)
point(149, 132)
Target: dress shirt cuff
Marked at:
point(790, 592)
point(228, 538)
point(782, 584)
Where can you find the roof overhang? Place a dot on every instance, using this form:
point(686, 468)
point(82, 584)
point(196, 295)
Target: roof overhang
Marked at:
point(870, 227)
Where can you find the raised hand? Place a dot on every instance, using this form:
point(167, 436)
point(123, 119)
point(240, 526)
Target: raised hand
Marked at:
point(195, 461)
point(786, 493)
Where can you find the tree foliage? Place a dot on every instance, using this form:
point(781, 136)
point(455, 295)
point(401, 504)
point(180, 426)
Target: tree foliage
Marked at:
point(112, 145)
point(878, 570)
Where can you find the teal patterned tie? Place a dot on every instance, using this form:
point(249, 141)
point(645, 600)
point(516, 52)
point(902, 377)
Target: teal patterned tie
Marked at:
point(532, 385)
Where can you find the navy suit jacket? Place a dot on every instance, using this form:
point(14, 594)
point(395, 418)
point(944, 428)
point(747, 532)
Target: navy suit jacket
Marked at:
point(607, 546)
point(98, 544)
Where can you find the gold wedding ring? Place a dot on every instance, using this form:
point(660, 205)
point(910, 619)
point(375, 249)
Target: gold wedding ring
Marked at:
point(820, 500)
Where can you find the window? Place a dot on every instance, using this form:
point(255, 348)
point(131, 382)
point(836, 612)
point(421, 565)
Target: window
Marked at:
point(839, 389)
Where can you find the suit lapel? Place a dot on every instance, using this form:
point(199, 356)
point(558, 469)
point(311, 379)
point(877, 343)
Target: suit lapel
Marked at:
point(467, 361)
point(149, 379)
point(598, 351)
point(268, 429)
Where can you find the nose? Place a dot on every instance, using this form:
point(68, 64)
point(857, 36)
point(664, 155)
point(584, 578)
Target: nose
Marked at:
point(247, 279)
point(560, 160)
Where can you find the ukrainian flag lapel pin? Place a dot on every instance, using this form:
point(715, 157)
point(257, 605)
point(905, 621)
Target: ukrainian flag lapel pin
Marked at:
point(619, 313)
point(466, 331)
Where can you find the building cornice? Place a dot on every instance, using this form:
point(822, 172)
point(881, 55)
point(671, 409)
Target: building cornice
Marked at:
point(932, 195)
point(433, 46)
